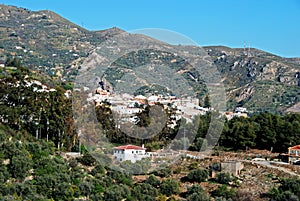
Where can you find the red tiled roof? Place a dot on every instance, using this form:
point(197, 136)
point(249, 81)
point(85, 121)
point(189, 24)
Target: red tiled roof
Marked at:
point(130, 147)
point(295, 147)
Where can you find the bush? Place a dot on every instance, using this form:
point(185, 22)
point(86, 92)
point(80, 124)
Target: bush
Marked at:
point(177, 170)
point(117, 192)
point(223, 178)
point(292, 185)
point(98, 169)
point(197, 197)
point(193, 166)
point(198, 175)
point(169, 187)
point(87, 160)
point(164, 172)
point(121, 177)
point(144, 191)
point(199, 144)
point(288, 190)
point(153, 181)
point(223, 191)
point(196, 193)
point(73, 163)
point(216, 166)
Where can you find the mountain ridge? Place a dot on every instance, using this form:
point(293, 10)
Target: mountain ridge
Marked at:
point(47, 42)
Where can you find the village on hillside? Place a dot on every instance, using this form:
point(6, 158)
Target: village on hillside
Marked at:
point(127, 107)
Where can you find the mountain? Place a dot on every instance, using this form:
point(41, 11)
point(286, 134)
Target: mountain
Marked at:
point(47, 42)
point(256, 79)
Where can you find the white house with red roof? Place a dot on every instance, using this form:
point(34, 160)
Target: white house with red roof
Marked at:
point(294, 153)
point(129, 153)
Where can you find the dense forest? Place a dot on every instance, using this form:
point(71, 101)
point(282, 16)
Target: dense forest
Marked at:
point(27, 104)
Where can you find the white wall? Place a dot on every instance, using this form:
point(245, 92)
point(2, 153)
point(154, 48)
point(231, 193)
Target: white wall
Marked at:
point(129, 155)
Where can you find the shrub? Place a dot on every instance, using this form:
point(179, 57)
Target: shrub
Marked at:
point(164, 172)
point(196, 193)
point(153, 181)
point(98, 169)
point(288, 190)
point(144, 191)
point(197, 197)
point(198, 175)
point(87, 160)
point(169, 187)
point(193, 166)
point(223, 178)
point(223, 191)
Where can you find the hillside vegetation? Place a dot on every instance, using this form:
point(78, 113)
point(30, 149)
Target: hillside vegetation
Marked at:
point(37, 129)
point(42, 53)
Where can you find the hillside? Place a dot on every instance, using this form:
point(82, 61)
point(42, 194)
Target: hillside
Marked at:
point(256, 79)
point(47, 42)
point(29, 172)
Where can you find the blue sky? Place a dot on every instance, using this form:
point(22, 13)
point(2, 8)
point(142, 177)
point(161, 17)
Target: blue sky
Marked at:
point(270, 25)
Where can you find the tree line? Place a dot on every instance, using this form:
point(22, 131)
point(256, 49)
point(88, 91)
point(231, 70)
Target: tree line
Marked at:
point(44, 114)
point(259, 131)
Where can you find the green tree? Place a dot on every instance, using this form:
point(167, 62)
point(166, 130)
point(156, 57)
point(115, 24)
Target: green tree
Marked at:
point(98, 169)
point(144, 191)
point(223, 178)
point(153, 181)
point(199, 144)
point(163, 172)
point(20, 165)
point(198, 175)
point(169, 187)
point(223, 191)
point(207, 102)
point(116, 193)
point(87, 159)
point(196, 193)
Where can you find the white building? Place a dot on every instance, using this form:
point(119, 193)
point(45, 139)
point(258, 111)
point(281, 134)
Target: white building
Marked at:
point(241, 109)
point(129, 153)
point(124, 110)
point(152, 100)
